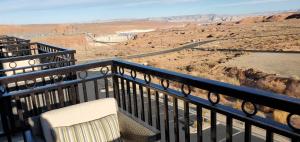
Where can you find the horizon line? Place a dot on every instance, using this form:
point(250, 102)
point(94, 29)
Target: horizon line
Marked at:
point(149, 18)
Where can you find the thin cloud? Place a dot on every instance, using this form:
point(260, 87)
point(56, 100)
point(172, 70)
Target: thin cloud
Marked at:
point(35, 5)
point(252, 2)
point(23, 5)
point(147, 2)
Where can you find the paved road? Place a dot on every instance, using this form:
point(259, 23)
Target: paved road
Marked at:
point(187, 46)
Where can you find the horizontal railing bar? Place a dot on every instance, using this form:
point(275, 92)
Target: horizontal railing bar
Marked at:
point(10, 37)
point(52, 46)
point(5, 37)
point(16, 51)
point(20, 58)
point(222, 109)
point(39, 65)
point(18, 45)
point(256, 96)
point(9, 42)
point(37, 43)
point(54, 71)
point(34, 43)
point(53, 86)
point(48, 80)
point(12, 40)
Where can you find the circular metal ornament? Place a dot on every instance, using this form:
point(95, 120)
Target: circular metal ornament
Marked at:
point(12, 64)
point(210, 94)
point(288, 120)
point(121, 70)
point(133, 74)
point(82, 74)
point(31, 62)
point(104, 70)
point(165, 86)
point(184, 90)
point(247, 112)
point(147, 78)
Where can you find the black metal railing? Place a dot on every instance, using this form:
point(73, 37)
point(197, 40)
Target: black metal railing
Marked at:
point(20, 58)
point(164, 99)
point(10, 40)
point(23, 49)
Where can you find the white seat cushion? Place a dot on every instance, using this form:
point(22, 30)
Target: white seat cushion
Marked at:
point(105, 129)
point(76, 114)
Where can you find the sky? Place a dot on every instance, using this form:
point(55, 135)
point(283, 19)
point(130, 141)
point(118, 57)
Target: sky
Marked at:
point(76, 11)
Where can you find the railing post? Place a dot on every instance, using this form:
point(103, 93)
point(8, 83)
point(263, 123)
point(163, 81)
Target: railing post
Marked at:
point(115, 84)
point(4, 120)
point(186, 122)
point(73, 76)
point(72, 59)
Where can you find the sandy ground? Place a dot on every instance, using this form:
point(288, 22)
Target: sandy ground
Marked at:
point(276, 33)
point(37, 30)
point(284, 64)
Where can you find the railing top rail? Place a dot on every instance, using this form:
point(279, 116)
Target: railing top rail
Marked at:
point(11, 38)
point(38, 65)
point(8, 37)
point(54, 71)
point(27, 42)
point(253, 95)
point(51, 54)
point(36, 43)
point(3, 36)
point(20, 50)
point(52, 46)
point(11, 42)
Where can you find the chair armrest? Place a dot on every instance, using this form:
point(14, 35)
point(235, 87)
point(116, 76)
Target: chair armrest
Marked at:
point(133, 129)
point(35, 134)
point(29, 137)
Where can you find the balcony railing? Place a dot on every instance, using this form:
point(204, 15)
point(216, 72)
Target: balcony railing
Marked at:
point(9, 40)
point(26, 57)
point(164, 99)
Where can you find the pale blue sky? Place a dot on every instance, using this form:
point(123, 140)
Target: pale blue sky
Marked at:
point(68, 11)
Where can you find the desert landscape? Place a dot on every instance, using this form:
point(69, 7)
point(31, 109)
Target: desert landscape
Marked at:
point(256, 51)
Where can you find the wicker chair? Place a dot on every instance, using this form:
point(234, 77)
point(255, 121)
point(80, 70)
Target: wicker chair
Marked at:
point(131, 128)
